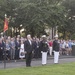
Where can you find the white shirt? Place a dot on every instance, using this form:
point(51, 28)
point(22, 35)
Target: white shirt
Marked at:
point(30, 42)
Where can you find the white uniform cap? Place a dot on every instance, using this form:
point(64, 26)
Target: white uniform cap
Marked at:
point(56, 36)
point(44, 36)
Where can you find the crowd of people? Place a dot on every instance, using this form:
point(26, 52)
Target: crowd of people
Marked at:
point(19, 48)
point(15, 47)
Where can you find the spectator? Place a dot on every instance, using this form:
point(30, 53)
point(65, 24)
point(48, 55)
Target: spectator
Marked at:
point(21, 52)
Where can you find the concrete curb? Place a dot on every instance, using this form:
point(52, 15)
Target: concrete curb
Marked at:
point(23, 60)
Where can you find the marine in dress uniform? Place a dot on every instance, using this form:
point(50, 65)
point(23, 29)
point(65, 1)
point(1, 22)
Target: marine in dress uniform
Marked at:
point(44, 49)
point(56, 48)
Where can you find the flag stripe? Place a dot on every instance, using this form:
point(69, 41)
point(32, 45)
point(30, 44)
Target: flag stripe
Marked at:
point(5, 25)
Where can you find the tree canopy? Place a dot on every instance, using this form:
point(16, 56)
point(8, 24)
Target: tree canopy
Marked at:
point(35, 16)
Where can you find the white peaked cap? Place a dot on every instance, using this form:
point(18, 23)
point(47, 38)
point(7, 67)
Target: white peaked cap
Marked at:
point(44, 36)
point(28, 35)
point(56, 36)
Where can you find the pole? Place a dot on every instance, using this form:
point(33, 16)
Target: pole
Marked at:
point(4, 51)
point(5, 47)
point(4, 57)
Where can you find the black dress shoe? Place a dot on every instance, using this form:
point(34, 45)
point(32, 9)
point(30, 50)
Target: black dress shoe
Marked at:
point(28, 65)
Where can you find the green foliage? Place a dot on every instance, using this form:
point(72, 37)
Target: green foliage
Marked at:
point(69, 26)
point(73, 37)
point(33, 15)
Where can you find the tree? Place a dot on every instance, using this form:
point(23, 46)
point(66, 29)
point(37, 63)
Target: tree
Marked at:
point(33, 15)
point(69, 26)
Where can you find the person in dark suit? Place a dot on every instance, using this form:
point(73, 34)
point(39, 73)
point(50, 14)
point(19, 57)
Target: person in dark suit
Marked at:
point(36, 48)
point(1, 49)
point(17, 48)
point(28, 50)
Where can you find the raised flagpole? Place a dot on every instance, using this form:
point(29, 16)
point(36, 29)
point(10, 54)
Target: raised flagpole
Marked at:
point(5, 42)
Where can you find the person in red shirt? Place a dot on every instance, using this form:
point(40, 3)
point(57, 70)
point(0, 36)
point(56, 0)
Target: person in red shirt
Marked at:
point(50, 47)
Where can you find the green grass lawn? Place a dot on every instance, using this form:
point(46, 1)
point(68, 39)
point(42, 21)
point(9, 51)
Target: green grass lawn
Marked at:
point(56, 69)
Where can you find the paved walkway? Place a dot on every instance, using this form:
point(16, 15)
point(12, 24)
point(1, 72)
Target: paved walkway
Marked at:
point(13, 64)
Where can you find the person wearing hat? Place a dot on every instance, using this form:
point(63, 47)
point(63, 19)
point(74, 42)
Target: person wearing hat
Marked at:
point(56, 48)
point(44, 49)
